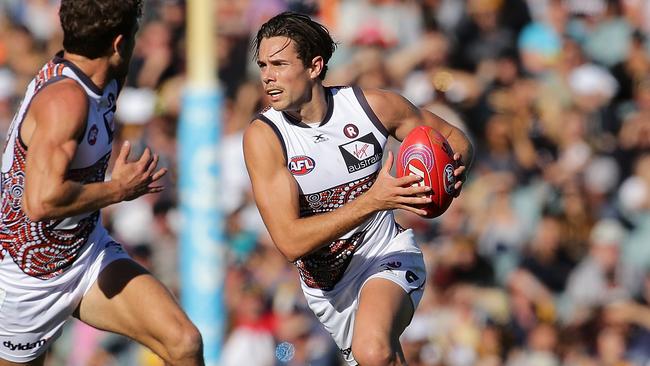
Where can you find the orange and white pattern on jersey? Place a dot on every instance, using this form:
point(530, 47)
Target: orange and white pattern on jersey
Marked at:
point(48, 73)
point(41, 249)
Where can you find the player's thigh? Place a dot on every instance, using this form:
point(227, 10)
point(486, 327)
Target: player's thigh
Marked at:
point(37, 362)
point(385, 310)
point(128, 300)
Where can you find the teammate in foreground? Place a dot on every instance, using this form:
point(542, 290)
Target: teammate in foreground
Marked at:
point(314, 160)
point(57, 258)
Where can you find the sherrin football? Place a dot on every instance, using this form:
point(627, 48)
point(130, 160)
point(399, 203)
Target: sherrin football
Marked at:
point(426, 153)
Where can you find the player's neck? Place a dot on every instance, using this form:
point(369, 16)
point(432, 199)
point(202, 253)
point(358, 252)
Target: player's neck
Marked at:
point(96, 69)
point(314, 109)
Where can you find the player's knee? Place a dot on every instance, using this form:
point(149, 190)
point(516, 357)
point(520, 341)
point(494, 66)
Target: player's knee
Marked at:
point(185, 344)
point(373, 353)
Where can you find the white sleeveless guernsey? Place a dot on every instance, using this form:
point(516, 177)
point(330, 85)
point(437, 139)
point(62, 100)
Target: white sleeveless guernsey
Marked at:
point(45, 249)
point(333, 163)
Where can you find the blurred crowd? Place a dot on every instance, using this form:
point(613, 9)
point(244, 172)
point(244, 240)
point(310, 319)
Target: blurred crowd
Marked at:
point(543, 260)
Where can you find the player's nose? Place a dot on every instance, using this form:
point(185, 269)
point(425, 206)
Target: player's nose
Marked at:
point(267, 76)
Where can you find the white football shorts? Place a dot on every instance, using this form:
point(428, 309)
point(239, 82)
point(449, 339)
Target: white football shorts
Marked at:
point(400, 262)
point(33, 311)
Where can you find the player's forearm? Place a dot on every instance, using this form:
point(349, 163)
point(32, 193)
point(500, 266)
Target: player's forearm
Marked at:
point(308, 234)
point(71, 199)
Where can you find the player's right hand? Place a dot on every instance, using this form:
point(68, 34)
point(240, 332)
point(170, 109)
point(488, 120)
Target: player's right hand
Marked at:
point(388, 192)
point(136, 178)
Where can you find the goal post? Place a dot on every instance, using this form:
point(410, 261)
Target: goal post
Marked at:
point(202, 248)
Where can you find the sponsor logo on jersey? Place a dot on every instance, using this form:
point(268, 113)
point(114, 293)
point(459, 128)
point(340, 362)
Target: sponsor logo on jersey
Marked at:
point(92, 135)
point(393, 265)
point(320, 138)
point(361, 153)
point(24, 346)
point(351, 131)
point(301, 165)
point(449, 179)
point(390, 266)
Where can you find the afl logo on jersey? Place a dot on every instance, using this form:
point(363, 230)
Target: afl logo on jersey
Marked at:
point(301, 165)
point(351, 131)
point(92, 135)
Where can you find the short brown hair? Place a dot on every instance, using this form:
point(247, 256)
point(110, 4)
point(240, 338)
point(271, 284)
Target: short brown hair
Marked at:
point(311, 38)
point(89, 26)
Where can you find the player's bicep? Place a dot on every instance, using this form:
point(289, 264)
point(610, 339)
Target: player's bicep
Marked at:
point(274, 188)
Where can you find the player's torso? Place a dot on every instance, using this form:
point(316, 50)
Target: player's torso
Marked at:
point(333, 163)
point(333, 160)
point(43, 249)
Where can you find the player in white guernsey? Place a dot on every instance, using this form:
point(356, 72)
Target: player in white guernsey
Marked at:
point(314, 159)
point(56, 258)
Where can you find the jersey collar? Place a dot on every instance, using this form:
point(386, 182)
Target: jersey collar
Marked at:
point(329, 99)
point(58, 59)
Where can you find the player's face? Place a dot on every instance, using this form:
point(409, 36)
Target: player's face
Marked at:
point(287, 82)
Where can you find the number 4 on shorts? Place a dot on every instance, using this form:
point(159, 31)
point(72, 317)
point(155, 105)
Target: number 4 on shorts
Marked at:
point(411, 277)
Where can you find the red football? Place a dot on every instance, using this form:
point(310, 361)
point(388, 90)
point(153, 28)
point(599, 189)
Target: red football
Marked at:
point(426, 153)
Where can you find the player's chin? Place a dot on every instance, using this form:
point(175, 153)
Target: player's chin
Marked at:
point(279, 105)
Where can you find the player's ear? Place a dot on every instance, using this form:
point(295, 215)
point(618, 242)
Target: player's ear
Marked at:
point(317, 65)
point(119, 44)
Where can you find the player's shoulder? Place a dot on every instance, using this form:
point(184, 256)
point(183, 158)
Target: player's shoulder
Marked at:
point(64, 99)
point(262, 140)
point(258, 131)
point(62, 94)
point(258, 127)
point(266, 120)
